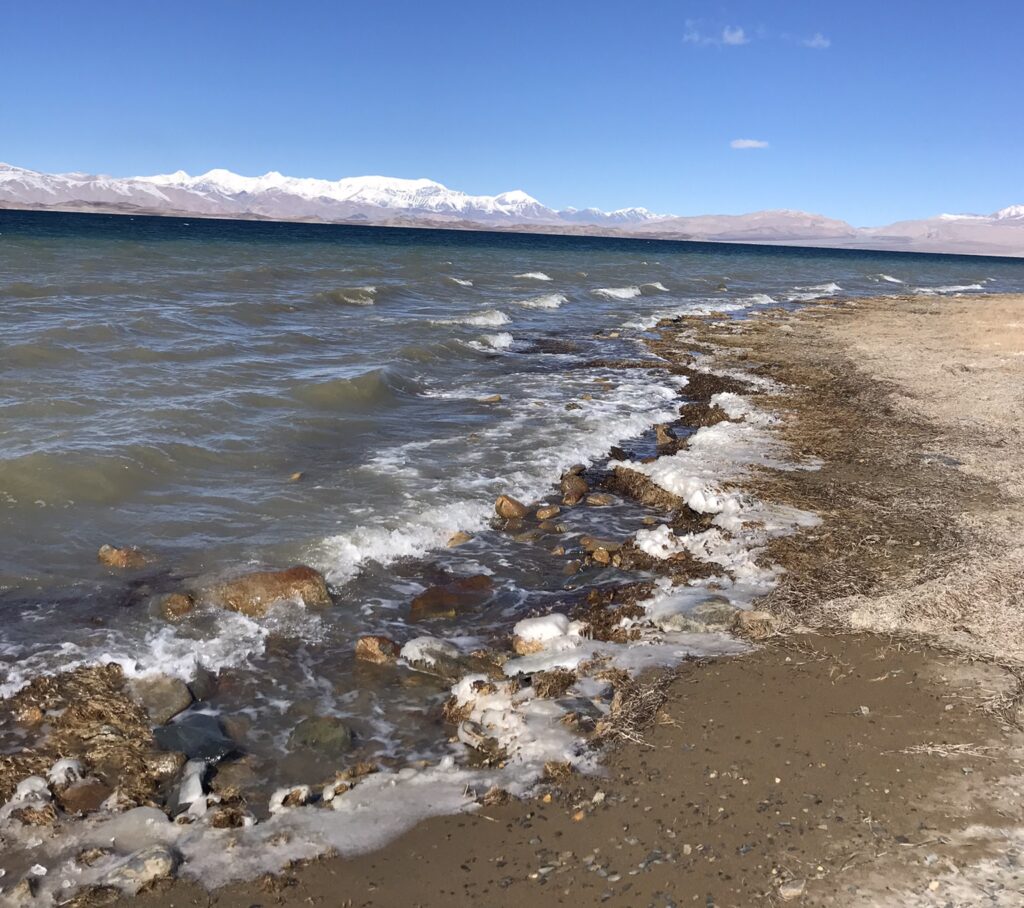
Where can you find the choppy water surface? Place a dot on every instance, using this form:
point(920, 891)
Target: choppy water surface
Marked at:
point(161, 379)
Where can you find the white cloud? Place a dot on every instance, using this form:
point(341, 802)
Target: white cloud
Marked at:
point(748, 143)
point(731, 36)
point(818, 41)
point(734, 35)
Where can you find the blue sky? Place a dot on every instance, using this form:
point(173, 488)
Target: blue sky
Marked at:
point(871, 111)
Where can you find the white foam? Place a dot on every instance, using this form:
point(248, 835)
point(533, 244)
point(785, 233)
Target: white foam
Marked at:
point(500, 341)
point(888, 278)
point(534, 276)
point(617, 293)
point(545, 301)
point(952, 288)
point(489, 318)
point(655, 285)
point(816, 292)
point(462, 282)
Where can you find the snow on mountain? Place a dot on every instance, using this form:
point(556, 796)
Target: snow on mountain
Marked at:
point(391, 200)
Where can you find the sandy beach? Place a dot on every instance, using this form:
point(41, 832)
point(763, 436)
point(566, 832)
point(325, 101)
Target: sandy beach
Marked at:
point(867, 752)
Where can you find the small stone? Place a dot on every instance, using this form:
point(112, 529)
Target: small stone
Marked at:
point(86, 796)
point(548, 511)
point(490, 399)
point(204, 685)
point(592, 544)
point(755, 625)
point(297, 476)
point(163, 697)
point(142, 868)
point(792, 889)
point(599, 500)
point(30, 715)
point(450, 599)
point(164, 765)
point(378, 649)
point(125, 558)
point(175, 606)
point(326, 734)
point(458, 539)
point(663, 435)
point(508, 508)
point(574, 488)
point(601, 556)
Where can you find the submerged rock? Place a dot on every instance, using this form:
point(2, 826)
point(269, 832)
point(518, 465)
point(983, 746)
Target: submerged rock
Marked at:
point(253, 594)
point(175, 606)
point(458, 538)
point(163, 697)
point(142, 868)
point(449, 599)
point(325, 734)
point(509, 508)
point(548, 511)
point(124, 558)
point(378, 649)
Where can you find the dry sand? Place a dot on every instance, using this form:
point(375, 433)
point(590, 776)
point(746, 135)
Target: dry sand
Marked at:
point(869, 755)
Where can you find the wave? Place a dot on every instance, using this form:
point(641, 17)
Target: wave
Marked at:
point(349, 296)
point(618, 293)
point(816, 292)
point(545, 301)
point(655, 285)
point(369, 390)
point(460, 281)
point(952, 288)
point(500, 341)
point(888, 278)
point(535, 276)
point(489, 318)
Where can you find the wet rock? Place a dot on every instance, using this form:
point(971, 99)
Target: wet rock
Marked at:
point(602, 556)
point(204, 685)
point(639, 487)
point(458, 538)
point(617, 453)
point(599, 500)
point(86, 796)
point(755, 625)
point(449, 599)
point(490, 399)
point(326, 734)
point(549, 526)
point(124, 558)
point(593, 543)
point(509, 508)
point(175, 606)
point(548, 511)
point(298, 476)
point(253, 594)
point(197, 736)
point(35, 813)
point(663, 436)
point(378, 649)
point(142, 868)
point(573, 487)
point(235, 777)
point(30, 714)
point(298, 796)
point(163, 697)
point(164, 765)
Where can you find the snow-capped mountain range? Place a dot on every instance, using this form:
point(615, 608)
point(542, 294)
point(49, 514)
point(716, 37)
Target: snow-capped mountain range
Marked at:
point(426, 203)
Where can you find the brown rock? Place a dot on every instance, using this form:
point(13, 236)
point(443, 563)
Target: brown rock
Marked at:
point(600, 500)
point(124, 558)
point(592, 544)
point(458, 539)
point(447, 600)
point(601, 556)
point(755, 625)
point(35, 814)
point(30, 714)
point(571, 567)
point(547, 512)
point(254, 594)
point(510, 509)
point(176, 606)
point(663, 435)
point(375, 648)
point(490, 399)
point(297, 477)
point(574, 488)
point(83, 797)
point(549, 526)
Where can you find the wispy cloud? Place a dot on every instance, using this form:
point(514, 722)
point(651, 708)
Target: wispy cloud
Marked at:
point(748, 143)
point(734, 36)
point(818, 41)
point(730, 35)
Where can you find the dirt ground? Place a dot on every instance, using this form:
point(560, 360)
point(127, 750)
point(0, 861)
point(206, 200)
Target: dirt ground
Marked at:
point(868, 755)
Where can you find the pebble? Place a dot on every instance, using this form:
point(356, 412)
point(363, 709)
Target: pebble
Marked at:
point(792, 890)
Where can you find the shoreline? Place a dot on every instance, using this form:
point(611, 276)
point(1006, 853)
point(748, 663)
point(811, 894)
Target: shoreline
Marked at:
point(774, 346)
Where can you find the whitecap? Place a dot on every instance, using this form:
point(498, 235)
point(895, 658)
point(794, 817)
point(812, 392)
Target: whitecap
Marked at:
point(489, 318)
point(952, 288)
point(618, 293)
point(535, 276)
point(460, 281)
point(545, 301)
point(888, 278)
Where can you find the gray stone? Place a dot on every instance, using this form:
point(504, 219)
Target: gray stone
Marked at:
point(143, 868)
point(325, 734)
point(163, 697)
point(198, 736)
